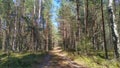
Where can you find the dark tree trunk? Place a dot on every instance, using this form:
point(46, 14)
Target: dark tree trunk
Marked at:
point(104, 35)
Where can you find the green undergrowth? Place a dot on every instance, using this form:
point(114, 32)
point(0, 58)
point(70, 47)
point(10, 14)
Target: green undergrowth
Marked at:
point(17, 60)
point(95, 61)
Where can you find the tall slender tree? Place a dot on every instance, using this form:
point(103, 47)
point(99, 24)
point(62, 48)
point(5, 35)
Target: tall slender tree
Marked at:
point(104, 35)
point(115, 35)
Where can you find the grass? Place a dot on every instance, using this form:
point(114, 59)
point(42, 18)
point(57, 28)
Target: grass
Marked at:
point(95, 61)
point(15, 60)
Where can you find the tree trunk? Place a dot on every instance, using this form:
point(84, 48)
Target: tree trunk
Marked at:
point(104, 35)
point(77, 38)
point(115, 35)
point(86, 15)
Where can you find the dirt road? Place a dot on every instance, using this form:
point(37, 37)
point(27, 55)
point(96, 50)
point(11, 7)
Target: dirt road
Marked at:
point(58, 59)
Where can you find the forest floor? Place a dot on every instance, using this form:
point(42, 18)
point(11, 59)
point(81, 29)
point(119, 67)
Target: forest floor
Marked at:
point(57, 58)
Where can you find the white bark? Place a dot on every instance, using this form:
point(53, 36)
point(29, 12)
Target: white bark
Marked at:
point(40, 1)
point(34, 6)
point(115, 33)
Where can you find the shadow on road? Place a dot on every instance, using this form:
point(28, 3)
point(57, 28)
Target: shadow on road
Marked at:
point(58, 59)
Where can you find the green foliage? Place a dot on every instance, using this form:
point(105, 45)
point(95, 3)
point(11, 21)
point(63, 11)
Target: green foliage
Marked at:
point(85, 45)
point(96, 62)
point(29, 4)
point(25, 60)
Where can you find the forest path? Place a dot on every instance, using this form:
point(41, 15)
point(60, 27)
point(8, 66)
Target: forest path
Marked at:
point(58, 59)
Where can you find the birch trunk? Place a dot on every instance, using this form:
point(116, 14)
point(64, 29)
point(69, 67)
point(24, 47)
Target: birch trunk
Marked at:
point(115, 34)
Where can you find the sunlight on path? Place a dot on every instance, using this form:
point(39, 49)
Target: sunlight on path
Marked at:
point(58, 51)
point(58, 59)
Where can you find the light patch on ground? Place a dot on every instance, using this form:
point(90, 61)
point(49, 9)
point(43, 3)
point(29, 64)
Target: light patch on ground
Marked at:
point(59, 59)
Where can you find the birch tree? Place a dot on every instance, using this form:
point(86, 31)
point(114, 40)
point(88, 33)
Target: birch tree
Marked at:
point(113, 25)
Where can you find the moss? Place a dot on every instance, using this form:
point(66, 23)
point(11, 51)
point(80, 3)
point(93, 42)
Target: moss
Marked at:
point(95, 61)
point(16, 60)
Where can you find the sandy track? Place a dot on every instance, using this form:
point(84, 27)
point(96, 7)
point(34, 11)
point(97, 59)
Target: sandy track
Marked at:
point(58, 59)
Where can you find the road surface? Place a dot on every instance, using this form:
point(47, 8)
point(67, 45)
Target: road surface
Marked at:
point(58, 59)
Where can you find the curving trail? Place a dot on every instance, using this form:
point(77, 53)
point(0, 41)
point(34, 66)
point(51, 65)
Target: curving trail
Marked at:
point(57, 59)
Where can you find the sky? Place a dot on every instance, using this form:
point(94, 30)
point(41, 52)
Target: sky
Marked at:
point(56, 6)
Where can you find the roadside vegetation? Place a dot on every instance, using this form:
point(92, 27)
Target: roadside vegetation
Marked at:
point(94, 61)
point(20, 60)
